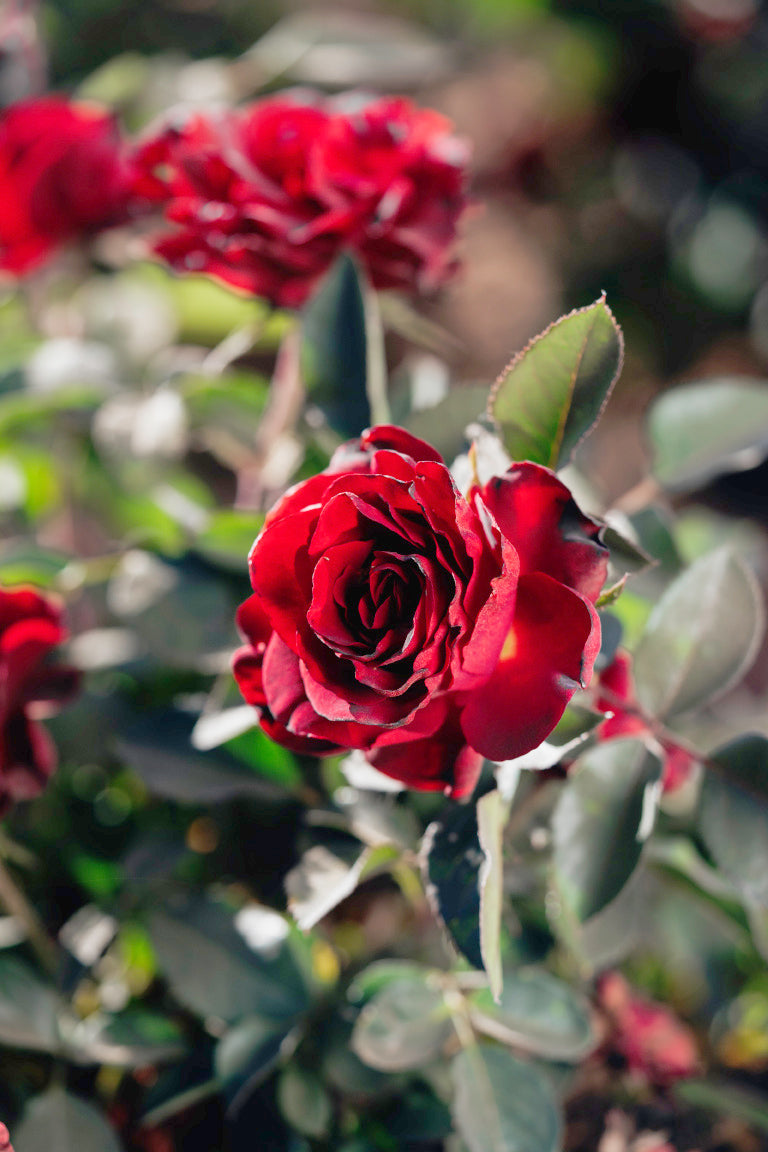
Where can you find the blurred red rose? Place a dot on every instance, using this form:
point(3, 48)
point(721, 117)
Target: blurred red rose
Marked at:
point(650, 1036)
point(63, 175)
point(393, 615)
point(267, 196)
point(616, 697)
point(5, 1139)
point(30, 687)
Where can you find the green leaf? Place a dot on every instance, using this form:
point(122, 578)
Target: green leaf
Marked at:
point(492, 813)
point(452, 860)
point(404, 1026)
point(321, 880)
point(304, 1102)
point(537, 1013)
point(58, 1122)
point(158, 748)
point(553, 392)
point(733, 814)
point(334, 349)
point(29, 1008)
point(699, 431)
point(729, 1100)
point(596, 824)
point(503, 1105)
point(247, 1053)
point(134, 1039)
point(701, 637)
point(219, 964)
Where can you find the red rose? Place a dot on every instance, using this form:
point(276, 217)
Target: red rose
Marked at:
point(650, 1036)
point(30, 686)
point(5, 1139)
point(616, 697)
point(266, 197)
point(62, 176)
point(392, 614)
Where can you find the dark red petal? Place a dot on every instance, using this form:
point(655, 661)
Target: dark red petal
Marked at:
point(27, 756)
point(281, 573)
point(356, 455)
point(25, 603)
point(616, 688)
point(679, 764)
point(537, 513)
point(427, 756)
point(549, 652)
point(24, 647)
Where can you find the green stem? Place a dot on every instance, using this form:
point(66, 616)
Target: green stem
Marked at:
point(17, 905)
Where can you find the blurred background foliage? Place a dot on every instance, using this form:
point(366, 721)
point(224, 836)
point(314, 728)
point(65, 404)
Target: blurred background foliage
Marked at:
point(619, 147)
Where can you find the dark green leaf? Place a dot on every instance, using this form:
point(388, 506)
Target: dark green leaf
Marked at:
point(334, 349)
point(503, 1105)
point(452, 860)
point(404, 1026)
point(701, 637)
point(248, 1052)
point(159, 749)
point(596, 824)
point(553, 392)
point(58, 1122)
point(699, 431)
point(228, 966)
point(733, 814)
point(537, 1013)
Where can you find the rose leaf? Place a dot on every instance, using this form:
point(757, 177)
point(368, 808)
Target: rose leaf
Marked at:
point(701, 637)
point(698, 431)
point(405, 1025)
point(537, 1013)
point(733, 814)
point(501, 1104)
point(553, 392)
point(57, 1120)
point(596, 825)
point(334, 355)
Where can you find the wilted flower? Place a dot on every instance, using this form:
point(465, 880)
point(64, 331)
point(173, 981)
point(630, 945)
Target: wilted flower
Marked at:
point(265, 197)
point(30, 687)
point(63, 175)
point(394, 615)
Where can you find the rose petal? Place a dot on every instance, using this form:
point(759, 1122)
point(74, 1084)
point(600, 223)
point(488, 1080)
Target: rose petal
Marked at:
point(549, 652)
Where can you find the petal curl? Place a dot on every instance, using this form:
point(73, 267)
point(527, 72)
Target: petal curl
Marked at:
point(548, 654)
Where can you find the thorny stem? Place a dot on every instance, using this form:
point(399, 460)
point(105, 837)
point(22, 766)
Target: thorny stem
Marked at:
point(17, 905)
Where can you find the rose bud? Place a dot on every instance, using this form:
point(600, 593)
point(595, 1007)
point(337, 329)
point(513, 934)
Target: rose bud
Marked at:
point(393, 615)
point(30, 629)
point(266, 197)
point(63, 176)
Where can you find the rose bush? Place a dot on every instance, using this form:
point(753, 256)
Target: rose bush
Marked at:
point(394, 615)
point(63, 175)
point(265, 198)
point(624, 718)
point(30, 687)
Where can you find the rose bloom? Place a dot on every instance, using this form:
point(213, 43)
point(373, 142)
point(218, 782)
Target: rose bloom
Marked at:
point(654, 1042)
point(30, 687)
point(5, 1139)
point(394, 615)
point(63, 176)
point(265, 197)
point(616, 697)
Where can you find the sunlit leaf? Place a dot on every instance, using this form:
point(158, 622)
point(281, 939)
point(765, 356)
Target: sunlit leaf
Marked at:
point(404, 1026)
point(596, 825)
point(701, 637)
point(492, 813)
point(501, 1104)
point(537, 1013)
point(699, 431)
point(553, 392)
